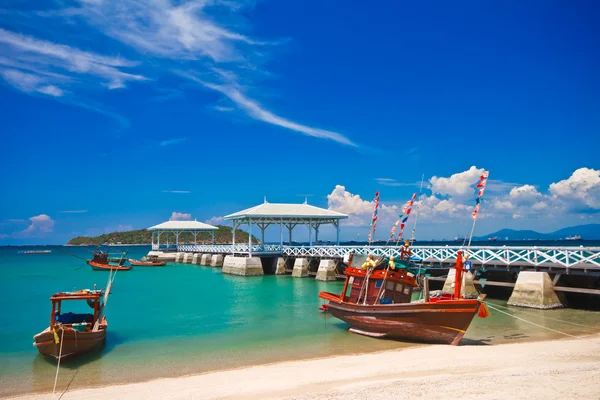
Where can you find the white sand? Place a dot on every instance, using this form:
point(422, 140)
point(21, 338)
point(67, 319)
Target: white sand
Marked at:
point(560, 369)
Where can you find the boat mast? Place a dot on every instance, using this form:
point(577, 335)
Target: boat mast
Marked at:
point(412, 235)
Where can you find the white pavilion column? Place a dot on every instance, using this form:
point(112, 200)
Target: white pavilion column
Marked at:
point(212, 234)
point(316, 233)
point(158, 238)
point(233, 233)
point(310, 234)
point(177, 237)
point(262, 234)
point(250, 237)
point(281, 234)
point(290, 231)
point(152, 238)
point(195, 238)
point(337, 226)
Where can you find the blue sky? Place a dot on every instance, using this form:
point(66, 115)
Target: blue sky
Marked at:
point(115, 115)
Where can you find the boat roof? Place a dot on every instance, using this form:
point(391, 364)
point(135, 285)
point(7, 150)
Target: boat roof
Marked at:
point(183, 226)
point(83, 294)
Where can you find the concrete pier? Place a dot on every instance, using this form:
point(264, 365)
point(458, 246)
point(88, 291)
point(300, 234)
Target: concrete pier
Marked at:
point(245, 266)
point(300, 268)
point(196, 258)
point(326, 271)
point(187, 258)
point(159, 255)
point(216, 260)
point(534, 290)
point(281, 264)
point(467, 289)
point(206, 259)
point(179, 257)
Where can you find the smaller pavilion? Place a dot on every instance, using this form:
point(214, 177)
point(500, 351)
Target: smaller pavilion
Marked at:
point(179, 227)
point(286, 216)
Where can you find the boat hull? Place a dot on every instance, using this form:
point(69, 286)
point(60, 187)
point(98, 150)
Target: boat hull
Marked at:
point(73, 342)
point(107, 267)
point(436, 322)
point(147, 263)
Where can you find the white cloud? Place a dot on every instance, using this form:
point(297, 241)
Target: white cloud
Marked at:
point(526, 194)
point(40, 224)
point(177, 216)
point(457, 185)
point(184, 30)
point(215, 221)
point(35, 65)
point(177, 191)
point(256, 111)
point(359, 211)
point(169, 142)
point(580, 190)
point(393, 182)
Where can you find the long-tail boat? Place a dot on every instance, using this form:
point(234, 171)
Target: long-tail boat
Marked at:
point(70, 334)
point(379, 305)
point(102, 262)
point(148, 263)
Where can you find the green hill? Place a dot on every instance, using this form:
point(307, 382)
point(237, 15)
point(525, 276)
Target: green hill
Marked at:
point(143, 236)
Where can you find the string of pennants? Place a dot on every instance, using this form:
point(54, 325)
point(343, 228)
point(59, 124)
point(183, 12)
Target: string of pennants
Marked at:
point(403, 217)
point(481, 186)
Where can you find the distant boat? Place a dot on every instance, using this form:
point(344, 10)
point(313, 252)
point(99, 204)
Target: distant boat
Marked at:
point(574, 237)
point(459, 239)
point(493, 239)
point(142, 263)
point(35, 251)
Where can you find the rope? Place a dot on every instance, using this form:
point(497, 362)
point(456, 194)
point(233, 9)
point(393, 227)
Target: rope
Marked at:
point(62, 335)
point(543, 316)
point(538, 325)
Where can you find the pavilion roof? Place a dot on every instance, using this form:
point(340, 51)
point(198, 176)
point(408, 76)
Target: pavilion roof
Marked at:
point(286, 211)
point(183, 226)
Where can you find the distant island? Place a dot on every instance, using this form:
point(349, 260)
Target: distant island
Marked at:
point(585, 232)
point(143, 236)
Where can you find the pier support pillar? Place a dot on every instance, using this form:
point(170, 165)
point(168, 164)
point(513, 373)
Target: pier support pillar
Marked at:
point(300, 268)
point(196, 258)
point(245, 266)
point(179, 257)
point(206, 259)
point(280, 269)
point(326, 271)
point(216, 260)
point(467, 290)
point(534, 290)
point(187, 258)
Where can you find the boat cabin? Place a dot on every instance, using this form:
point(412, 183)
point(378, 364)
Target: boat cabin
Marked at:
point(83, 322)
point(382, 287)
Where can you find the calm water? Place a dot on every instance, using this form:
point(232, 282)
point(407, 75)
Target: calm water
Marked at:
point(185, 319)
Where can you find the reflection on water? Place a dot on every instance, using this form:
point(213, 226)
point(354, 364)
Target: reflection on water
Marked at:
point(185, 319)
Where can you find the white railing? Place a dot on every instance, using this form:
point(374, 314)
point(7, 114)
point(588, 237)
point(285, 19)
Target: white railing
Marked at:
point(588, 257)
point(231, 249)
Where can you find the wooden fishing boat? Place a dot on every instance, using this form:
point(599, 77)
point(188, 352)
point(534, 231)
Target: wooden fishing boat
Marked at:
point(71, 334)
point(140, 263)
point(108, 267)
point(102, 262)
point(379, 304)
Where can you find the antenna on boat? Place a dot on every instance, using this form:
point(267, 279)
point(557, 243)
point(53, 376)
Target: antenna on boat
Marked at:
point(412, 235)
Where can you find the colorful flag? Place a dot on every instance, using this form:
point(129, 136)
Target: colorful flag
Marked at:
point(406, 209)
point(481, 186)
point(374, 218)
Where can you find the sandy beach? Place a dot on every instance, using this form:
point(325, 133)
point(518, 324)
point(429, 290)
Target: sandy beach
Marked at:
point(557, 369)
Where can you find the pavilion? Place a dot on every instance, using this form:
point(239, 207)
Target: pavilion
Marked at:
point(179, 227)
point(286, 216)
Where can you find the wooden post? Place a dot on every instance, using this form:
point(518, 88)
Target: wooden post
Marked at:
point(426, 289)
point(458, 276)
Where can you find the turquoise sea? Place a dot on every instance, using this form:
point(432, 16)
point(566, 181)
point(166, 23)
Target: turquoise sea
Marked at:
point(186, 319)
